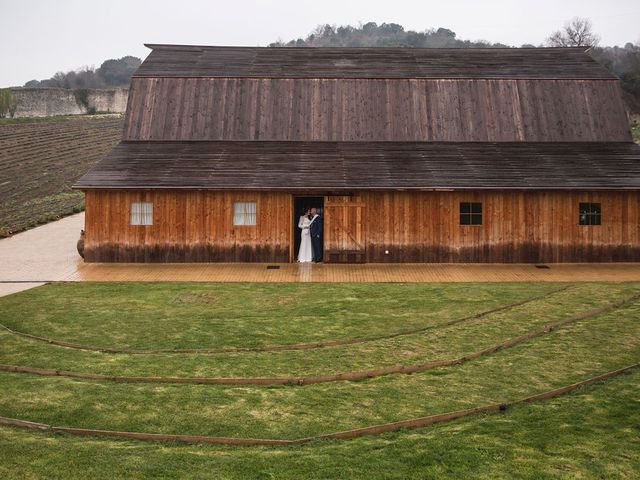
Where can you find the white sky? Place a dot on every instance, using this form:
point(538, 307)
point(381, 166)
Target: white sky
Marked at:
point(41, 37)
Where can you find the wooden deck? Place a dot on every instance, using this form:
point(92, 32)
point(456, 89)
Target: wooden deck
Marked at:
point(252, 272)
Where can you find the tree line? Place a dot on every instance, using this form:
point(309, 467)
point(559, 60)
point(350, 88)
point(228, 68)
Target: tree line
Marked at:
point(622, 61)
point(384, 35)
point(112, 73)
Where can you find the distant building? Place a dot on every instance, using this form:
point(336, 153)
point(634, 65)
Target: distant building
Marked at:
point(413, 155)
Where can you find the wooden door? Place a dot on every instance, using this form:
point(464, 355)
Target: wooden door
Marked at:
point(344, 232)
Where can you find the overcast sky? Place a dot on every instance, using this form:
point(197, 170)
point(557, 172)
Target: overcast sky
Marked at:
point(41, 37)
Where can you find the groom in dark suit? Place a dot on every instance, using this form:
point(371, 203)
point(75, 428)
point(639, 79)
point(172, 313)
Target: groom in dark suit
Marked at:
point(315, 229)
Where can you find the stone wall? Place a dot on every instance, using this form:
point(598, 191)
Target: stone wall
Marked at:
point(42, 102)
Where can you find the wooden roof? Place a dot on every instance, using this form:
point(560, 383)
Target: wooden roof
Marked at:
point(257, 165)
point(330, 109)
point(214, 61)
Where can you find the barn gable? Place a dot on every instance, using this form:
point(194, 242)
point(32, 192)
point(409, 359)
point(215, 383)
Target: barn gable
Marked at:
point(329, 109)
point(457, 95)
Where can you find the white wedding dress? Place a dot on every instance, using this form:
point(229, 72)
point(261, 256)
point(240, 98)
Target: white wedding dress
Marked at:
point(305, 254)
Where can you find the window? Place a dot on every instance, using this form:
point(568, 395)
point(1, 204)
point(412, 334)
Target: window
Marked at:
point(470, 213)
point(244, 213)
point(590, 214)
point(141, 213)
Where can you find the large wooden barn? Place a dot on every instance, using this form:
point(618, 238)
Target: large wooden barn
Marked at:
point(412, 155)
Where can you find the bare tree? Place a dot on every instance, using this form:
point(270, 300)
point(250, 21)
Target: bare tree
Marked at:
point(577, 32)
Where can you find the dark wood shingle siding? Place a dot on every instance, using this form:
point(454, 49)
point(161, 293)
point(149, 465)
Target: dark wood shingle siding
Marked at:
point(375, 110)
point(366, 166)
point(211, 61)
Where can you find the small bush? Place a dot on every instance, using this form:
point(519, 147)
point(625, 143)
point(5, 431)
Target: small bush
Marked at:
point(82, 98)
point(7, 103)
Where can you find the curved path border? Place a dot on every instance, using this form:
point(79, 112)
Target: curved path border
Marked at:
point(341, 435)
point(314, 379)
point(282, 347)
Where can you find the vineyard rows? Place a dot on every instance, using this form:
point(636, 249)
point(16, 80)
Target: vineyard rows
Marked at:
point(40, 161)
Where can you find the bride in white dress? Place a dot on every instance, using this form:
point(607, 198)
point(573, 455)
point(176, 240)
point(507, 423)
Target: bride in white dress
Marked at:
point(305, 254)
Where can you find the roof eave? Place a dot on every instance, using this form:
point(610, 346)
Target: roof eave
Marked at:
point(287, 188)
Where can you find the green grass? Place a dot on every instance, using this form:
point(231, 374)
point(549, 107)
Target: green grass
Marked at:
point(434, 344)
point(54, 118)
point(591, 433)
point(571, 442)
point(190, 315)
point(568, 355)
point(53, 207)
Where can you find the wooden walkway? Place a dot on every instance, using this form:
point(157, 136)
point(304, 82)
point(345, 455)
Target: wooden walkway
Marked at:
point(48, 253)
point(243, 272)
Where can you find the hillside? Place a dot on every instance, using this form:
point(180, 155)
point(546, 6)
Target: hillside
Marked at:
point(624, 62)
point(40, 160)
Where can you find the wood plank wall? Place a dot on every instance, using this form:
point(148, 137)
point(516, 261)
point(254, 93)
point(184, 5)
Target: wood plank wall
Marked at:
point(375, 110)
point(411, 226)
point(517, 227)
point(344, 229)
point(188, 227)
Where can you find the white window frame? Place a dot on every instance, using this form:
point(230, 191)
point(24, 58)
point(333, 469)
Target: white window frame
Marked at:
point(141, 213)
point(245, 213)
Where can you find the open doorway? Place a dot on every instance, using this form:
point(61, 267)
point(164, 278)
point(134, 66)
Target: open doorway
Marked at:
point(300, 206)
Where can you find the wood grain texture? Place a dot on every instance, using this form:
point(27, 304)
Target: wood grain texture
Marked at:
point(187, 227)
point(353, 166)
point(517, 227)
point(451, 110)
point(344, 229)
point(527, 227)
point(386, 62)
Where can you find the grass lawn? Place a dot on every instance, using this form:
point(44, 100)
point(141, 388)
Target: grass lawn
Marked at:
point(191, 315)
point(55, 118)
point(220, 325)
point(589, 434)
point(592, 433)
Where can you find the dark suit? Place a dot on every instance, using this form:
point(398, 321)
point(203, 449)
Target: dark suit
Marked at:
point(316, 238)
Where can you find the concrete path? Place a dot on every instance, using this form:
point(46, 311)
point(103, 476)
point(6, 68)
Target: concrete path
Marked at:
point(9, 288)
point(48, 253)
point(42, 254)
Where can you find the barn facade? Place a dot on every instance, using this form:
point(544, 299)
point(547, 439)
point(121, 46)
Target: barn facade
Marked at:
point(412, 155)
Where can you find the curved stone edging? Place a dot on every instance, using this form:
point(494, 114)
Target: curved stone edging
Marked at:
point(341, 435)
point(277, 348)
point(314, 379)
